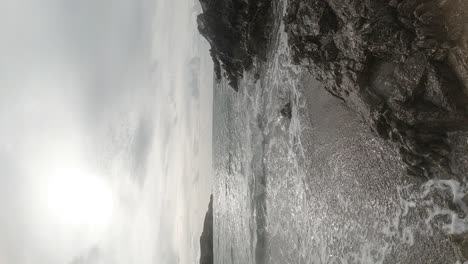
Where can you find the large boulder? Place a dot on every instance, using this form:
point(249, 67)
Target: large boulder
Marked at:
point(238, 32)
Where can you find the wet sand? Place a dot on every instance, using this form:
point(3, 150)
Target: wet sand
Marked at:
point(356, 176)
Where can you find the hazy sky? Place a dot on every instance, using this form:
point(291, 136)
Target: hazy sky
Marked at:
point(105, 131)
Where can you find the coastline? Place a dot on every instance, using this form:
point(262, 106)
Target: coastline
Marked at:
point(322, 182)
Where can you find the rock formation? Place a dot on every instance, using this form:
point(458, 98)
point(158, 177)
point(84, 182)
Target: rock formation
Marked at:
point(206, 239)
point(237, 31)
point(394, 62)
point(286, 111)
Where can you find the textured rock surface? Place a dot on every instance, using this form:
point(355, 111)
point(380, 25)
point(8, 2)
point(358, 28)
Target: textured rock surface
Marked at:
point(398, 63)
point(238, 32)
point(206, 239)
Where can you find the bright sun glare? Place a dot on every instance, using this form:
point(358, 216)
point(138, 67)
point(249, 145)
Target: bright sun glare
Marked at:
point(78, 199)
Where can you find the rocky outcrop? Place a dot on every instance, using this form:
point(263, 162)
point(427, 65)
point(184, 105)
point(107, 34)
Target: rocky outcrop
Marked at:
point(286, 111)
point(238, 32)
point(391, 61)
point(206, 239)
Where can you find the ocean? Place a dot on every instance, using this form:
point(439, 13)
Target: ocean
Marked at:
point(318, 186)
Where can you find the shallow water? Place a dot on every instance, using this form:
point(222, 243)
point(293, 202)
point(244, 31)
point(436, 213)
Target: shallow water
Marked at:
point(319, 188)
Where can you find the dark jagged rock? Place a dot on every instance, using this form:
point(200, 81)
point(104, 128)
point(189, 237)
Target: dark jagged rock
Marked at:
point(238, 32)
point(390, 61)
point(286, 111)
point(206, 239)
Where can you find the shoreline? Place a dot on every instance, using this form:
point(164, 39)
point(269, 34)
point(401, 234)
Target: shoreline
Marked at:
point(360, 181)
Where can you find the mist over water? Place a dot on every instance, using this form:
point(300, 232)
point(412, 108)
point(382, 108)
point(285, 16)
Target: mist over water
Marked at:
point(183, 73)
point(105, 139)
